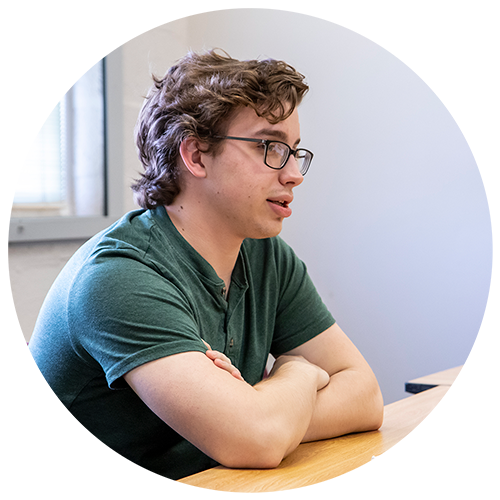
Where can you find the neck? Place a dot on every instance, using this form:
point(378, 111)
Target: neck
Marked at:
point(206, 237)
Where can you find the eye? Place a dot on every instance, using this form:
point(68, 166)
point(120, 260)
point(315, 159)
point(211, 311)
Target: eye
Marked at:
point(277, 148)
point(260, 148)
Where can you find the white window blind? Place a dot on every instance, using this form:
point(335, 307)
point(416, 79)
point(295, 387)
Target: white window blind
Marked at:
point(36, 167)
point(56, 152)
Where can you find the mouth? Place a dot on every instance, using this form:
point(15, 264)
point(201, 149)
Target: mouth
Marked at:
point(281, 203)
point(281, 206)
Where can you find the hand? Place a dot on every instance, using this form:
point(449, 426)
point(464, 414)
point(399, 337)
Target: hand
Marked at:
point(322, 376)
point(222, 361)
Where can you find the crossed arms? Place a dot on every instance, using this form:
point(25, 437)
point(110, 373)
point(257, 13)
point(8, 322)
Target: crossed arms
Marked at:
point(322, 389)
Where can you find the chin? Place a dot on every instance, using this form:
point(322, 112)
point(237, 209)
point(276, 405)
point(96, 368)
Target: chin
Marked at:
point(267, 232)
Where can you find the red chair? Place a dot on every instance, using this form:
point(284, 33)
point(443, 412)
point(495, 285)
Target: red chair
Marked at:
point(17, 350)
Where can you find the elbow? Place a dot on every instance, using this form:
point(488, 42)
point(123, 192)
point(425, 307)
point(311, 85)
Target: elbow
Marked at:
point(249, 461)
point(250, 457)
point(370, 416)
point(254, 449)
point(376, 411)
point(377, 419)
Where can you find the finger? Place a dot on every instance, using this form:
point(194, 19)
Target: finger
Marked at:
point(213, 355)
point(225, 365)
point(237, 374)
point(207, 344)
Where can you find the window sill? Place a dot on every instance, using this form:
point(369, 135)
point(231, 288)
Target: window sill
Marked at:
point(56, 228)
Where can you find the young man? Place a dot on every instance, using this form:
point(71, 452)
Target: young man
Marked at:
point(122, 337)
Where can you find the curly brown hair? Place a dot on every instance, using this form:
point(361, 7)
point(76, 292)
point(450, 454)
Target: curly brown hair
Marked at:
point(196, 98)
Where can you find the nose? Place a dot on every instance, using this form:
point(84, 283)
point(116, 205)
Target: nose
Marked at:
point(290, 173)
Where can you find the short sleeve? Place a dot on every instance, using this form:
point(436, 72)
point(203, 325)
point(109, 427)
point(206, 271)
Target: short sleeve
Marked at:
point(123, 313)
point(301, 314)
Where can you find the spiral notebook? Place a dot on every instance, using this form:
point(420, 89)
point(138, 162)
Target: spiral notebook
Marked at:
point(438, 454)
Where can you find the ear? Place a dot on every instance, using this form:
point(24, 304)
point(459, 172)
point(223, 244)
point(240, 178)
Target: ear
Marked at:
point(192, 156)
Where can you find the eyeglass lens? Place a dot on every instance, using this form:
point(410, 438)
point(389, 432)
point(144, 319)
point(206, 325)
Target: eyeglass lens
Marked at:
point(277, 155)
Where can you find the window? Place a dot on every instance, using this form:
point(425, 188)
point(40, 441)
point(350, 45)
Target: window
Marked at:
point(62, 191)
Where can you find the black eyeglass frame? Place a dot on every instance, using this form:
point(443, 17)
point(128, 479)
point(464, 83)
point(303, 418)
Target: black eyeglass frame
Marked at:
point(266, 143)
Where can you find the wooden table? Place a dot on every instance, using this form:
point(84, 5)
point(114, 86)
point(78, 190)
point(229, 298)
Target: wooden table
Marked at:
point(476, 374)
point(344, 464)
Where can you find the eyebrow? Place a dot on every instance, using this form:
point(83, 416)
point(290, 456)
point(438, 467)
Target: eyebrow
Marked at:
point(275, 134)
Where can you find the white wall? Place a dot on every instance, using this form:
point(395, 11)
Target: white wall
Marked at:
point(392, 218)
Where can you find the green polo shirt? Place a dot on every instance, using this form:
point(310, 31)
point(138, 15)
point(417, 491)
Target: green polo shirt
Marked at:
point(137, 292)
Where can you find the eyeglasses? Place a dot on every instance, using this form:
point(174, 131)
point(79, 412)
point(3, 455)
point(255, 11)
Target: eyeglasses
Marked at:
point(276, 153)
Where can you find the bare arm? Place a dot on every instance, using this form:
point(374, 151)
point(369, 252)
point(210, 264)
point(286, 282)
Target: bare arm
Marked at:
point(236, 424)
point(352, 401)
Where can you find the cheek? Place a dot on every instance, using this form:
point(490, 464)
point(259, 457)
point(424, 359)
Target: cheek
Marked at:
point(245, 191)
point(256, 194)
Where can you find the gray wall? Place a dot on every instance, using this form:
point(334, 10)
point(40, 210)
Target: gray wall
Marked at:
point(392, 218)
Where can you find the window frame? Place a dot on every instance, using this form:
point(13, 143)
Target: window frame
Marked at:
point(27, 229)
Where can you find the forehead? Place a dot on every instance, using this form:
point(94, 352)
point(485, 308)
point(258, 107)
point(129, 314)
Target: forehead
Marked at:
point(246, 123)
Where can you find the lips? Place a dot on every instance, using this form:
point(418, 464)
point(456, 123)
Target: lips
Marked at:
point(283, 201)
point(277, 202)
point(280, 205)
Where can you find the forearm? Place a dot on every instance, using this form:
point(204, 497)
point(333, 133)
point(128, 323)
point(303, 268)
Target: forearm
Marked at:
point(351, 402)
point(288, 398)
point(239, 425)
point(287, 388)
point(269, 419)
